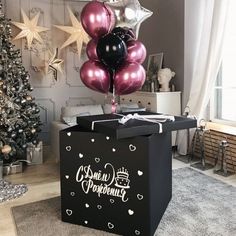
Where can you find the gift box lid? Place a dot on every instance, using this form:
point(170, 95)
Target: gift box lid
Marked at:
point(109, 125)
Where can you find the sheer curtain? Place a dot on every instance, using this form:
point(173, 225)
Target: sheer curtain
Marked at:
point(206, 59)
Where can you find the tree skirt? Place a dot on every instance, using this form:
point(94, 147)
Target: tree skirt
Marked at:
point(10, 191)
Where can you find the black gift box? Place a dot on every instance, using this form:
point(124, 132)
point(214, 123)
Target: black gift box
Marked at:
point(121, 186)
point(137, 175)
point(108, 124)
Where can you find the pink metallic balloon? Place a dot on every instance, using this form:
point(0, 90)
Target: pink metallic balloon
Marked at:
point(95, 76)
point(91, 50)
point(97, 19)
point(129, 78)
point(112, 18)
point(136, 52)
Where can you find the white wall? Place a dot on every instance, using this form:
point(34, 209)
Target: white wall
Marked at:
point(51, 94)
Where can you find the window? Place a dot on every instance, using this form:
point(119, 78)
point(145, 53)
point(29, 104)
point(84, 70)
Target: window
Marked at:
point(224, 101)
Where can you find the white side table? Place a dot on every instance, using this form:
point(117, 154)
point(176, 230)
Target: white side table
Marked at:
point(160, 102)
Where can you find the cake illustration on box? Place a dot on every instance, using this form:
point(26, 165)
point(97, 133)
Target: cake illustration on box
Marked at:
point(122, 178)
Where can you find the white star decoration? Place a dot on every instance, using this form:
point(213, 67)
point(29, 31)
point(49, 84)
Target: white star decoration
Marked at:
point(29, 29)
point(54, 64)
point(76, 31)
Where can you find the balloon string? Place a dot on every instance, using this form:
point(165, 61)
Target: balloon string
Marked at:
point(113, 101)
point(113, 106)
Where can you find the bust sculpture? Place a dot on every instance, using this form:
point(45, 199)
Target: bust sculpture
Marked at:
point(164, 77)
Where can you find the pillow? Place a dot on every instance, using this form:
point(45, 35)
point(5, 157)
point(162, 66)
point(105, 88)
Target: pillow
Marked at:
point(129, 105)
point(107, 107)
point(125, 109)
point(72, 120)
point(77, 110)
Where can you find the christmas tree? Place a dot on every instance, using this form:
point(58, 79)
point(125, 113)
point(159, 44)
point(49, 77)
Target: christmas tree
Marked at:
point(19, 114)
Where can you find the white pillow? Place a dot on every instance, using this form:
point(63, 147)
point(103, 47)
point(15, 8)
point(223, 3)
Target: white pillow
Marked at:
point(72, 120)
point(129, 106)
point(107, 107)
point(77, 110)
point(125, 109)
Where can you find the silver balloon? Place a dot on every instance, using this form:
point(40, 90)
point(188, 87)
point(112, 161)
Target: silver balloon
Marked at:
point(129, 13)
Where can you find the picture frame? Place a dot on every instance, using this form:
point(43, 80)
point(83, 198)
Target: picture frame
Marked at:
point(154, 65)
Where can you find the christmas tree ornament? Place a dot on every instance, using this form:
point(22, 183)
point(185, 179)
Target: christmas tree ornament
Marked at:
point(29, 29)
point(13, 135)
point(28, 98)
point(76, 31)
point(129, 13)
point(54, 64)
point(20, 131)
point(6, 149)
point(33, 131)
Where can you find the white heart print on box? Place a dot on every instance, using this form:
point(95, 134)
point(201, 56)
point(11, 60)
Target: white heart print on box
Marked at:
point(140, 173)
point(131, 212)
point(69, 212)
point(140, 197)
point(112, 201)
point(110, 225)
point(132, 148)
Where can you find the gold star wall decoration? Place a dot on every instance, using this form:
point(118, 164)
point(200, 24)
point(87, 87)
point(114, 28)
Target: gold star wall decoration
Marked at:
point(54, 64)
point(29, 29)
point(76, 31)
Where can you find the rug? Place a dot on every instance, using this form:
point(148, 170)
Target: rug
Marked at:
point(201, 206)
point(10, 191)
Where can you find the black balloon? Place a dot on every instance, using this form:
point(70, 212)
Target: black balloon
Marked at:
point(124, 33)
point(111, 51)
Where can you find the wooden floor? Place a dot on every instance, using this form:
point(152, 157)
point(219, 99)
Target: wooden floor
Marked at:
point(43, 183)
